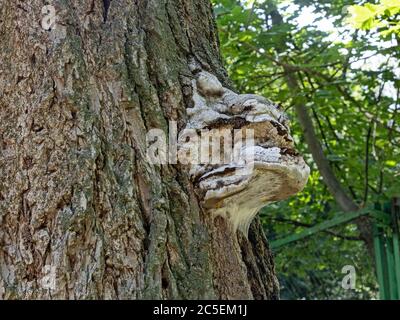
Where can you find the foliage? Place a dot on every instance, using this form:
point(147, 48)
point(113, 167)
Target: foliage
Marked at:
point(383, 16)
point(350, 83)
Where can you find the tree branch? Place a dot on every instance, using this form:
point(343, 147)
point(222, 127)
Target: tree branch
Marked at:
point(307, 225)
point(366, 188)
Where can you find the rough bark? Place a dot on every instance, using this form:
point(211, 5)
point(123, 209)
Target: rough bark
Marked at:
point(76, 192)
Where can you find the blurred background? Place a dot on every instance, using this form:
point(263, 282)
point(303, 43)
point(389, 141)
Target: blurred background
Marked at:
point(336, 64)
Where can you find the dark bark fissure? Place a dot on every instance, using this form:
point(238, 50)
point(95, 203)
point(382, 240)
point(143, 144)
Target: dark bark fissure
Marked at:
point(106, 4)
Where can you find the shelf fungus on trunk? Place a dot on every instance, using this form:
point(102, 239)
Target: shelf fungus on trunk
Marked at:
point(263, 166)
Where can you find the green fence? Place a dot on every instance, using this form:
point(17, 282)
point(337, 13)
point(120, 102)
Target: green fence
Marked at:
point(386, 242)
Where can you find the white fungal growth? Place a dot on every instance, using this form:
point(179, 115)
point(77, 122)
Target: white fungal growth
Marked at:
point(209, 85)
point(234, 190)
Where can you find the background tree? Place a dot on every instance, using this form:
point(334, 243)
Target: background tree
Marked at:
point(343, 83)
point(78, 199)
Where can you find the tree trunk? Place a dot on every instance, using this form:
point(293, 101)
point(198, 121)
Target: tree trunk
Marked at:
point(83, 215)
